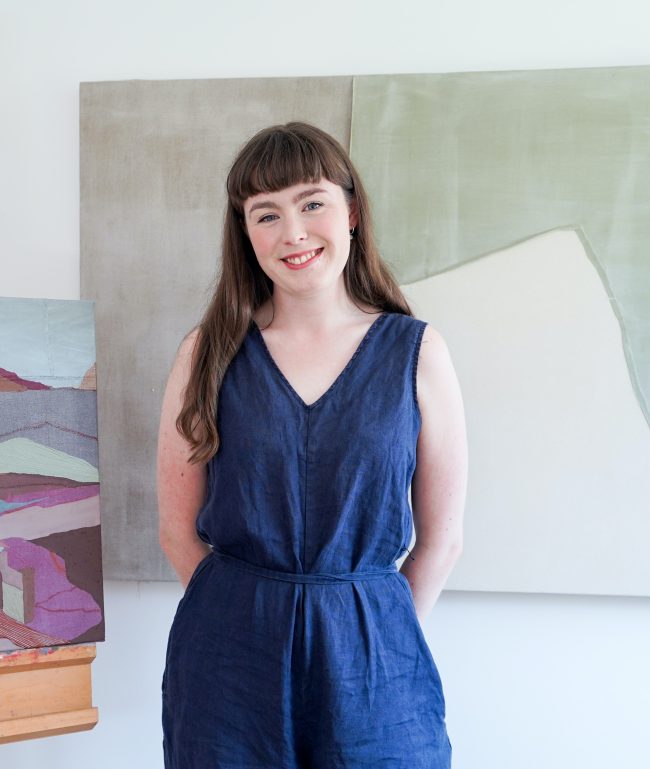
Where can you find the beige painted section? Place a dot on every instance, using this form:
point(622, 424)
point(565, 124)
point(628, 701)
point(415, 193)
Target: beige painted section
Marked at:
point(36, 521)
point(154, 155)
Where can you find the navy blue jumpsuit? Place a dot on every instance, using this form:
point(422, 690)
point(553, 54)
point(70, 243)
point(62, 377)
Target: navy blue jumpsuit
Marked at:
point(296, 644)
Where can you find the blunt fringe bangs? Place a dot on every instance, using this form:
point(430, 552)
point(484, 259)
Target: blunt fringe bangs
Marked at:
point(284, 155)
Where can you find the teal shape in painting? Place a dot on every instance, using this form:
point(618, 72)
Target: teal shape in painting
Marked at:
point(51, 341)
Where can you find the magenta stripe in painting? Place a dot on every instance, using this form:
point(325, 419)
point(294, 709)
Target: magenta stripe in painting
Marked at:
point(53, 495)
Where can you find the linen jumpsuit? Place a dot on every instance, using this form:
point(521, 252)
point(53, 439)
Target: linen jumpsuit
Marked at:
point(296, 644)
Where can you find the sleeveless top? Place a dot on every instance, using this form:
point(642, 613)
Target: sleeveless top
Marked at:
point(320, 487)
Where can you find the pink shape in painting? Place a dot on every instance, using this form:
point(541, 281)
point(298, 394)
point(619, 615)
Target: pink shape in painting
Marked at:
point(51, 604)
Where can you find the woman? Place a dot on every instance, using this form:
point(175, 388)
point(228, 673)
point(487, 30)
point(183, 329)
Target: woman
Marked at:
point(295, 418)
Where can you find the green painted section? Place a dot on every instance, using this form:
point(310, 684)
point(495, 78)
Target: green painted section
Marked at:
point(20, 455)
point(464, 164)
point(13, 602)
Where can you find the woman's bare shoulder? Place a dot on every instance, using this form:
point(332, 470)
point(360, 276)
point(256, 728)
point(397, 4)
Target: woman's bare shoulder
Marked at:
point(179, 375)
point(188, 342)
point(434, 339)
point(182, 363)
point(437, 383)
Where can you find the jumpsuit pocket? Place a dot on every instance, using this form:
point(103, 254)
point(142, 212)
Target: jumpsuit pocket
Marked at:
point(199, 568)
point(175, 622)
point(407, 589)
point(423, 643)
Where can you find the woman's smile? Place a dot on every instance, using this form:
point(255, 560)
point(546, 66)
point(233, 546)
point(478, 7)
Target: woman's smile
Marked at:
point(298, 261)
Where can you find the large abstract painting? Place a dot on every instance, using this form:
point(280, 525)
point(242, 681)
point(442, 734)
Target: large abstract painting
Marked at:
point(512, 208)
point(50, 545)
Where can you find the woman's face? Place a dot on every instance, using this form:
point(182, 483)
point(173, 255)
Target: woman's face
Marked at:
point(301, 234)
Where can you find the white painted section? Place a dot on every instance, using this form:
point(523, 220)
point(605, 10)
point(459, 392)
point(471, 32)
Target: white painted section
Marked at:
point(559, 487)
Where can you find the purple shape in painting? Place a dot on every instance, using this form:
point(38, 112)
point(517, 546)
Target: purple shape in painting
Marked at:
point(60, 608)
point(48, 497)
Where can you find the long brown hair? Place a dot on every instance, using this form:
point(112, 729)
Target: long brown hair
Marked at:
point(275, 158)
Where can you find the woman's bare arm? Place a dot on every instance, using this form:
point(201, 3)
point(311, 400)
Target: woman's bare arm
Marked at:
point(439, 485)
point(181, 485)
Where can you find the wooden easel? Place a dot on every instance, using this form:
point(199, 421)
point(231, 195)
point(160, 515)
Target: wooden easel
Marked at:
point(46, 691)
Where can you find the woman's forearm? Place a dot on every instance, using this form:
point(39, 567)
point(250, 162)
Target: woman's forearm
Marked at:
point(427, 569)
point(184, 552)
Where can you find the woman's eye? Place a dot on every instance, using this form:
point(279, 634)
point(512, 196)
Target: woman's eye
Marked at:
point(267, 218)
point(313, 203)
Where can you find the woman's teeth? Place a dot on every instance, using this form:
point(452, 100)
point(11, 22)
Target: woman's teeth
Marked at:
point(304, 258)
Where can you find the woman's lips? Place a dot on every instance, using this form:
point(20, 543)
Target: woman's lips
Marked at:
point(316, 253)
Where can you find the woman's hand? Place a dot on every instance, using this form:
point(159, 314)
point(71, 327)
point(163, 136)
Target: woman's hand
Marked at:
point(181, 485)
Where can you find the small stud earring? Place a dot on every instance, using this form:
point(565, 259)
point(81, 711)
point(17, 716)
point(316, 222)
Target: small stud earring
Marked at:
point(351, 233)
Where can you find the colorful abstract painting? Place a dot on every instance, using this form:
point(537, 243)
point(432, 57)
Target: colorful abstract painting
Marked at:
point(50, 543)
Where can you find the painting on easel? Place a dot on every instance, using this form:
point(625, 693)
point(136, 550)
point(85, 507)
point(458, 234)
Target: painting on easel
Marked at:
point(50, 545)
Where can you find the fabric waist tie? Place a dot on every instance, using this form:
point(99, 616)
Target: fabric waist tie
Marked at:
point(320, 578)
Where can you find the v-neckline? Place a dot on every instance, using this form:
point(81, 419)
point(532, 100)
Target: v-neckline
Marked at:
point(373, 326)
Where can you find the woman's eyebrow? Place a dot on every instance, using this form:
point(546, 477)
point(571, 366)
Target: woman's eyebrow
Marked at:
point(306, 193)
point(300, 196)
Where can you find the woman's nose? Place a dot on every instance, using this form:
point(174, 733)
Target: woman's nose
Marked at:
point(294, 230)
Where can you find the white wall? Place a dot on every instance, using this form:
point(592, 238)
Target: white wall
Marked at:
point(542, 682)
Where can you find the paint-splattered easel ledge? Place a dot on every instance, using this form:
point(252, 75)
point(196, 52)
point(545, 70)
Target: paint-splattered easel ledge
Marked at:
point(46, 691)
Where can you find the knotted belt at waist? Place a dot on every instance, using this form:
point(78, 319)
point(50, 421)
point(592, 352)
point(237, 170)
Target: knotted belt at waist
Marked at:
point(322, 578)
